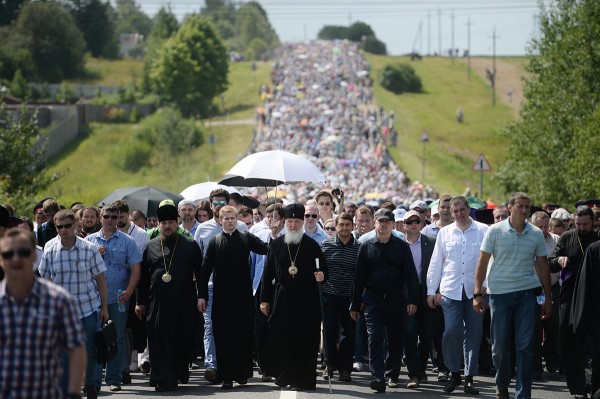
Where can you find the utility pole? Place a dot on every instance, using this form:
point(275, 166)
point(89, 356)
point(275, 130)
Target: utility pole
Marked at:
point(492, 76)
point(428, 34)
point(469, 48)
point(452, 47)
point(439, 32)
point(421, 37)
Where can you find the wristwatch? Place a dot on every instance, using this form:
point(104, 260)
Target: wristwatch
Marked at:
point(478, 294)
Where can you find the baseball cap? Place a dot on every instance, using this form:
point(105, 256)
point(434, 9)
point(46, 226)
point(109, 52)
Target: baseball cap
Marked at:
point(435, 210)
point(399, 214)
point(418, 204)
point(384, 213)
point(561, 213)
point(410, 214)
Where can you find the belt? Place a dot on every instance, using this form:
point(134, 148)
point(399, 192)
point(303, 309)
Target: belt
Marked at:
point(383, 295)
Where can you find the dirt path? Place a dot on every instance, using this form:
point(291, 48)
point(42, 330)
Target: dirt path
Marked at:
point(508, 76)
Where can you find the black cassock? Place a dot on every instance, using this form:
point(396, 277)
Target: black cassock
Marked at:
point(171, 307)
point(295, 318)
point(233, 304)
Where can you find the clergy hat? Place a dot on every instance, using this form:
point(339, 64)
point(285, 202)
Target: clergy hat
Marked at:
point(294, 211)
point(166, 211)
point(3, 216)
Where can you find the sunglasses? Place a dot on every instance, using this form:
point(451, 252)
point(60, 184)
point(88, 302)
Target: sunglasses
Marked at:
point(22, 252)
point(311, 215)
point(113, 217)
point(330, 228)
point(217, 203)
point(64, 226)
point(409, 222)
point(324, 203)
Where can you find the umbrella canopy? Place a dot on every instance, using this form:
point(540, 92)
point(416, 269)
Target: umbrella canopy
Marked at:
point(476, 203)
point(145, 198)
point(271, 168)
point(202, 190)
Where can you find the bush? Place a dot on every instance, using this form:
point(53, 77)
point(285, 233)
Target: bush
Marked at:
point(134, 115)
point(115, 115)
point(401, 78)
point(374, 46)
point(133, 155)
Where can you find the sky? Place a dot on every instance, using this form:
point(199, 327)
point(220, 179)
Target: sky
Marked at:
point(403, 25)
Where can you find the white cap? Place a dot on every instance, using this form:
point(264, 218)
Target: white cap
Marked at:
point(435, 210)
point(399, 214)
point(418, 204)
point(561, 213)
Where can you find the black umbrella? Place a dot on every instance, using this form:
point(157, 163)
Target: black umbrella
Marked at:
point(144, 198)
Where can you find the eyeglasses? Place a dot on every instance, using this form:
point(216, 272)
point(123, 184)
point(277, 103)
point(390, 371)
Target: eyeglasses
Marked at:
point(330, 228)
point(217, 203)
point(113, 217)
point(414, 221)
point(22, 252)
point(324, 203)
point(311, 215)
point(64, 226)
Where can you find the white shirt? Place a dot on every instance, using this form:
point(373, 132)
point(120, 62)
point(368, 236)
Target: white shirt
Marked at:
point(140, 236)
point(454, 259)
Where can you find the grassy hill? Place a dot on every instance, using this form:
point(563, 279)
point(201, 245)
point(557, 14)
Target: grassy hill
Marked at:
point(87, 168)
point(453, 147)
point(88, 171)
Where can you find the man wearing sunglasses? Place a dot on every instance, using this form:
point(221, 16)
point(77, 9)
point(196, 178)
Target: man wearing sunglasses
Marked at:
point(122, 258)
point(76, 265)
point(218, 198)
point(450, 283)
point(422, 208)
point(40, 321)
point(314, 231)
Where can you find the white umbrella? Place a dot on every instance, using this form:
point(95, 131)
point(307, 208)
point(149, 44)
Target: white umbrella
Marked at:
point(271, 168)
point(202, 190)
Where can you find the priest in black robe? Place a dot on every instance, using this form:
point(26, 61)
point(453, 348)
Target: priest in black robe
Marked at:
point(167, 296)
point(585, 309)
point(290, 299)
point(227, 259)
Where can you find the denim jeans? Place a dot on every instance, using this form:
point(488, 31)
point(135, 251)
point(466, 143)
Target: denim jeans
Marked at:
point(210, 352)
point(513, 313)
point(337, 318)
point(114, 368)
point(463, 330)
point(384, 318)
point(360, 341)
point(91, 324)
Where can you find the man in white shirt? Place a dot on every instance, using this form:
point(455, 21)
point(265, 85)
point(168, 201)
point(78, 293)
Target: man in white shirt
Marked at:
point(450, 282)
point(311, 228)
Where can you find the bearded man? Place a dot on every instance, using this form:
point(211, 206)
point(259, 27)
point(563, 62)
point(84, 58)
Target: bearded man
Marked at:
point(292, 303)
point(167, 295)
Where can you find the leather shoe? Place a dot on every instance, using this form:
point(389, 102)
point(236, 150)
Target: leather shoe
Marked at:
point(227, 385)
point(345, 376)
point(378, 386)
point(452, 384)
point(470, 389)
point(91, 391)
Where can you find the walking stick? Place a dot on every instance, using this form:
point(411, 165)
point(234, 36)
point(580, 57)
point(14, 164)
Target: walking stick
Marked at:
point(324, 334)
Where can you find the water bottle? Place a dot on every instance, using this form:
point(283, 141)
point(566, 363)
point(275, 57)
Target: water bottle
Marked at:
point(541, 298)
point(122, 305)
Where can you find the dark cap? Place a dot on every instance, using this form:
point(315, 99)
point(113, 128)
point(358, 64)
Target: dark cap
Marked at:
point(294, 211)
point(166, 211)
point(384, 213)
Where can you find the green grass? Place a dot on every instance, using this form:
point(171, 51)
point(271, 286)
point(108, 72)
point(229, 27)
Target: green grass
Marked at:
point(453, 147)
point(111, 73)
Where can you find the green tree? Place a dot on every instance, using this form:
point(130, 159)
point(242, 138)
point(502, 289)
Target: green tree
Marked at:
point(92, 19)
point(131, 18)
point(401, 78)
point(223, 16)
point(252, 23)
point(191, 68)
point(22, 159)
point(9, 11)
point(552, 146)
point(50, 34)
point(357, 30)
point(374, 46)
point(19, 86)
point(333, 32)
point(13, 60)
point(164, 26)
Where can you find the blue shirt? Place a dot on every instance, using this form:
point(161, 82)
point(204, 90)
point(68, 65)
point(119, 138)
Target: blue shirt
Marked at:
point(257, 265)
point(512, 268)
point(319, 235)
point(121, 253)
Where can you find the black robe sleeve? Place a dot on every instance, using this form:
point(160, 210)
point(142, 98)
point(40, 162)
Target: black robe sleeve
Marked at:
point(208, 265)
point(256, 244)
point(585, 297)
point(266, 282)
point(558, 251)
point(360, 278)
point(143, 288)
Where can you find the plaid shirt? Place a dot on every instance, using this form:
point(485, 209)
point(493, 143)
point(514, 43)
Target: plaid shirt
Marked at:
point(33, 336)
point(75, 270)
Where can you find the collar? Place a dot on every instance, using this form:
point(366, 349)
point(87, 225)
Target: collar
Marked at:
point(413, 243)
point(36, 290)
point(471, 226)
point(509, 227)
point(78, 244)
point(339, 242)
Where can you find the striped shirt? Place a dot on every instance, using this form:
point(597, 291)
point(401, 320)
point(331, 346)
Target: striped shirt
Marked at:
point(341, 265)
point(33, 336)
point(512, 268)
point(75, 270)
point(121, 254)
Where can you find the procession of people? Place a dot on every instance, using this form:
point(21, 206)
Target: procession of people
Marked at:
point(237, 288)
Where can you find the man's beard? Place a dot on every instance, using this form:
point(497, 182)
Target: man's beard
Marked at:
point(187, 219)
point(293, 237)
point(90, 229)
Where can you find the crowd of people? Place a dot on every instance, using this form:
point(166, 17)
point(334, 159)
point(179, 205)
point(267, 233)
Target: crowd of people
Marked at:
point(212, 284)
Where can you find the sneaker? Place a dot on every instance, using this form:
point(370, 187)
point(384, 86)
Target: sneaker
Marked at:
point(413, 383)
point(115, 388)
point(195, 365)
point(502, 393)
point(358, 366)
point(326, 374)
point(266, 378)
point(392, 383)
point(443, 376)
point(345, 376)
point(453, 382)
point(378, 386)
point(210, 374)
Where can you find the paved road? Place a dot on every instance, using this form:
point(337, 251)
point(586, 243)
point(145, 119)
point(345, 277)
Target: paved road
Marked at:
point(553, 388)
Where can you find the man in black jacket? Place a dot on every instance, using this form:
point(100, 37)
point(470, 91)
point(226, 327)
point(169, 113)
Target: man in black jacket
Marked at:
point(385, 284)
